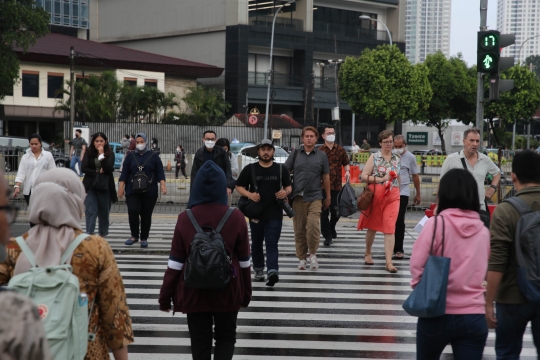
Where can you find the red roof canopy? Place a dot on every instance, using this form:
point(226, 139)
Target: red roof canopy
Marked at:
point(274, 121)
point(55, 49)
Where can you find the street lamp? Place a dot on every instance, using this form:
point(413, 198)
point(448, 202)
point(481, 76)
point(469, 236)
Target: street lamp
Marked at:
point(270, 74)
point(519, 53)
point(365, 17)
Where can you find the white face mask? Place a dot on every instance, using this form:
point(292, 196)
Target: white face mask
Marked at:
point(398, 151)
point(331, 138)
point(178, 149)
point(209, 144)
point(140, 147)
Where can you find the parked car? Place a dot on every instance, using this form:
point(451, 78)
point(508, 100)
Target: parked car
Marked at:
point(236, 147)
point(428, 152)
point(244, 159)
point(118, 154)
point(14, 147)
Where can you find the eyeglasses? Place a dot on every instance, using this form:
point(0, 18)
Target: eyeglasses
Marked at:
point(388, 142)
point(11, 212)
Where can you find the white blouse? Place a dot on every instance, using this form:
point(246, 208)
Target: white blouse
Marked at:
point(31, 168)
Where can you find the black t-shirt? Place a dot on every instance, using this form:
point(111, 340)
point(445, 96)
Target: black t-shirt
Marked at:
point(268, 183)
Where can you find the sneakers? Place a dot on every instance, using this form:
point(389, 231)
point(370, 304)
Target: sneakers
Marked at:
point(131, 241)
point(273, 278)
point(144, 243)
point(302, 265)
point(313, 263)
point(259, 275)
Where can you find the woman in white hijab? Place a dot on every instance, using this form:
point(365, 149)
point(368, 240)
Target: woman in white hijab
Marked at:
point(57, 210)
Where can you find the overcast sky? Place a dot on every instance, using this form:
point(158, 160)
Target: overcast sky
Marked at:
point(465, 25)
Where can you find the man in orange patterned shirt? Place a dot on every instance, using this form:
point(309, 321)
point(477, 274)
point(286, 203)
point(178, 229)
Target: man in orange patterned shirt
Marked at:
point(337, 157)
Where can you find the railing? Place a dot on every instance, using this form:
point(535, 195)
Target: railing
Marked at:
point(325, 83)
point(281, 23)
point(261, 78)
point(349, 31)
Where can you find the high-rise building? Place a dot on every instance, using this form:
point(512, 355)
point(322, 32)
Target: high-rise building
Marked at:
point(520, 17)
point(427, 28)
point(68, 17)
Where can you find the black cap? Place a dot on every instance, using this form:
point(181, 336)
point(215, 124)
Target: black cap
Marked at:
point(266, 142)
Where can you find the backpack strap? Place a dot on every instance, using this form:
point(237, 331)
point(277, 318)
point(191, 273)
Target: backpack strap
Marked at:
point(224, 220)
point(521, 206)
point(71, 248)
point(194, 222)
point(254, 178)
point(26, 250)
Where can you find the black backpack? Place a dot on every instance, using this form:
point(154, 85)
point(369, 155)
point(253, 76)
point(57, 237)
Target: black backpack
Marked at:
point(140, 181)
point(208, 266)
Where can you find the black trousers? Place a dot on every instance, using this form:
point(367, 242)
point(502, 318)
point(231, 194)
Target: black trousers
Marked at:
point(27, 199)
point(140, 209)
point(183, 168)
point(400, 224)
point(329, 225)
point(200, 332)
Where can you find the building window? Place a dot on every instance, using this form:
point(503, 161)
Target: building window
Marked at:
point(150, 82)
point(30, 83)
point(130, 81)
point(55, 85)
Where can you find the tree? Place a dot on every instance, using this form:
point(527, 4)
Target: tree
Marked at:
point(21, 24)
point(382, 83)
point(534, 60)
point(454, 95)
point(520, 103)
point(207, 103)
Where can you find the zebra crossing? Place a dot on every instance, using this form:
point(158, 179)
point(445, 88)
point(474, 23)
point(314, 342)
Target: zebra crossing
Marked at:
point(343, 310)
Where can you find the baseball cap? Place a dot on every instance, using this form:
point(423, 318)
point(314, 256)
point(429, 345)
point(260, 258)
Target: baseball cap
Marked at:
point(266, 142)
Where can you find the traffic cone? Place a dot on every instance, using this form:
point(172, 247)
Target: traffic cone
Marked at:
point(168, 165)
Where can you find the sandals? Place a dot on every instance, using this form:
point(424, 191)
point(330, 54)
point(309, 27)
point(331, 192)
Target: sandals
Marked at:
point(368, 262)
point(399, 256)
point(391, 269)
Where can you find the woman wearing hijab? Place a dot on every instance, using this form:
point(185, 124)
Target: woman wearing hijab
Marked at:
point(208, 203)
point(92, 261)
point(98, 169)
point(141, 205)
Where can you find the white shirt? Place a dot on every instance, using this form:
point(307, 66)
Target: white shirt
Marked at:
point(408, 168)
point(355, 149)
point(481, 168)
point(234, 165)
point(30, 168)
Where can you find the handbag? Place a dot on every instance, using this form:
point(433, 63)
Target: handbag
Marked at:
point(365, 199)
point(251, 209)
point(100, 182)
point(428, 299)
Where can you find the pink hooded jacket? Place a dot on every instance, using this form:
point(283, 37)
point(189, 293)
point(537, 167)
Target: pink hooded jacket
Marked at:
point(466, 243)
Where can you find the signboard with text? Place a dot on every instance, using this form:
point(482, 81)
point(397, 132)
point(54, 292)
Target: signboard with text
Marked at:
point(457, 139)
point(436, 139)
point(417, 138)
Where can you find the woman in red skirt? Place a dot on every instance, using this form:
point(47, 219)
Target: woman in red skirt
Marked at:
point(381, 173)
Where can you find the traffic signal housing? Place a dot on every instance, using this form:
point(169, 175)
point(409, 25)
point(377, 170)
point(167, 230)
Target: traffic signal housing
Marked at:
point(490, 61)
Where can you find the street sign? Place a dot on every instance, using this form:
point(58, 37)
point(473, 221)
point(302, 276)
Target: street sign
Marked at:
point(253, 119)
point(436, 139)
point(276, 134)
point(417, 138)
point(457, 138)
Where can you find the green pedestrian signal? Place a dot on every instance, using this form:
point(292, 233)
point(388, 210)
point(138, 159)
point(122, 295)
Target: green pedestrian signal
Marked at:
point(488, 61)
point(488, 51)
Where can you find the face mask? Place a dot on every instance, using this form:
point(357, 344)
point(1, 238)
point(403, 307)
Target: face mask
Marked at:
point(178, 149)
point(209, 144)
point(76, 135)
point(140, 147)
point(330, 138)
point(398, 151)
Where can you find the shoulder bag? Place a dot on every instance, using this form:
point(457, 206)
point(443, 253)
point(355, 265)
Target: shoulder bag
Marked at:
point(249, 208)
point(365, 200)
point(428, 299)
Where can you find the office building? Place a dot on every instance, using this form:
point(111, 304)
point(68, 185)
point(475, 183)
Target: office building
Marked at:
point(520, 17)
point(427, 28)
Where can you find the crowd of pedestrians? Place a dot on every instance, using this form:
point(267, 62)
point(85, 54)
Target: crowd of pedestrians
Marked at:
point(485, 284)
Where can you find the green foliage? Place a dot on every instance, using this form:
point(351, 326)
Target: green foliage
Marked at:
point(534, 60)
point(206, 103)
point(383, 84)
point(453, 95)
point(21, 24)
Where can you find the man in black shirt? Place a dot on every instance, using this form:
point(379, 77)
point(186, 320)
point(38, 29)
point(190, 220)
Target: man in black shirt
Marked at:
point(274, 182)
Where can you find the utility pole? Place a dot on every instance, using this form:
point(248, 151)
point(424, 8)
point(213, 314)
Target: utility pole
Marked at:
point(83, 101)
point(72, 92)
point(337, 123)
point(480, 85)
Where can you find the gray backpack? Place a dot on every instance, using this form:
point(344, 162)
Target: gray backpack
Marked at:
point(527, 245)
point(347, 200)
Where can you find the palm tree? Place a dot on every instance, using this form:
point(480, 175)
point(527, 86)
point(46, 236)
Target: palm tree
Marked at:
point(168, 101)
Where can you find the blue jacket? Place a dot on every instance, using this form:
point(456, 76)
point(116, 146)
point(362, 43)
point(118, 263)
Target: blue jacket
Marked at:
point(153, 169)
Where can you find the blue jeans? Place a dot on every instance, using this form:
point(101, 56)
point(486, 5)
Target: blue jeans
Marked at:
point(269, 232)
point(466, 333)
point(512, 319)
point(98, 205)
point(75, 160)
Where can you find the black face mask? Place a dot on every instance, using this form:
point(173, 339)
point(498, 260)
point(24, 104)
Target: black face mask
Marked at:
point(76, 135)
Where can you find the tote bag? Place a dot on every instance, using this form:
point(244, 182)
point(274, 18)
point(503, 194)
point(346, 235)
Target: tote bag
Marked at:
point(428, 299)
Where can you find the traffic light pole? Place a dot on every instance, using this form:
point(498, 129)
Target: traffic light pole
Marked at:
point(480, 82)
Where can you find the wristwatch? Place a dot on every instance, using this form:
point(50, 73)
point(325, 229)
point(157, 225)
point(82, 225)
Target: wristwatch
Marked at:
point(493, 186)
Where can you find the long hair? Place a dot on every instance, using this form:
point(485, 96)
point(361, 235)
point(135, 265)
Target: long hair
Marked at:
point(458, 190)
point(92, 151)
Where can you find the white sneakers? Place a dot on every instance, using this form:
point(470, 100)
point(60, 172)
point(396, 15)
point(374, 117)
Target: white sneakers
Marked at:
point(313, 263)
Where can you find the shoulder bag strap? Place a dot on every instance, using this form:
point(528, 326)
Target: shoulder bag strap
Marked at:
point(254, 178)
point(71, 248)
point(520, 205)
point(26, 250)
point(433, 236)
point(194, 221)
point(224, 220)
point(463, 163)
point(294, 159)
point(443, 230)
point(151, 156)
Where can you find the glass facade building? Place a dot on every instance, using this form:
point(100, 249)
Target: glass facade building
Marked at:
point(70, 13)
